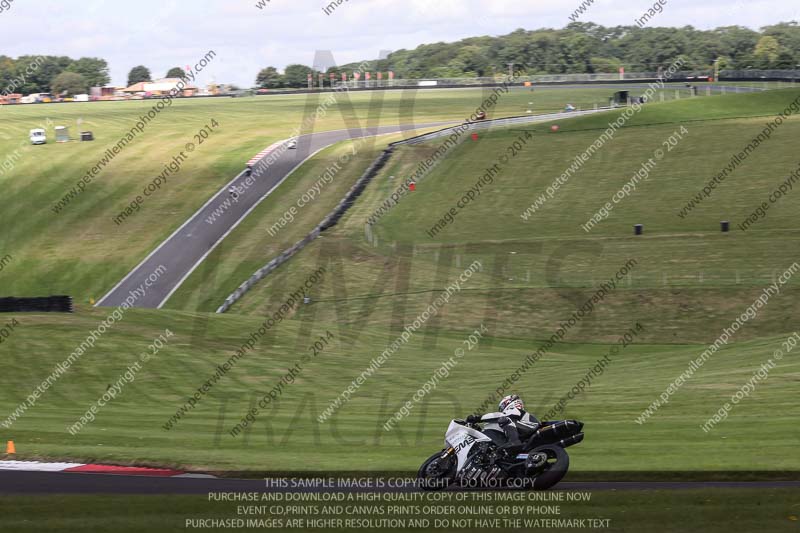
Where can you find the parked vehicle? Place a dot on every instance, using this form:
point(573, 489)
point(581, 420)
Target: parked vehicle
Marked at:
point(37, 98)
point(38, 136)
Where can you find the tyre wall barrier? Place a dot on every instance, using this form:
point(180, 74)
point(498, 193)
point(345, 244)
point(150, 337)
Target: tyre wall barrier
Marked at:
point(355, 191)
point(47, 304)
point(328, 222)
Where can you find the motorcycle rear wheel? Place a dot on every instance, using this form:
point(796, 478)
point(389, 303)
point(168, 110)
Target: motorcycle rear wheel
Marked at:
point(437, 473)
point(555, 470)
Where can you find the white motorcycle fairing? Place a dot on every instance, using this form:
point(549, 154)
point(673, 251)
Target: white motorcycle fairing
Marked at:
point(461, 439)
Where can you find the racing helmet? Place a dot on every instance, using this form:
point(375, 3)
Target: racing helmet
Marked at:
point(512, 400)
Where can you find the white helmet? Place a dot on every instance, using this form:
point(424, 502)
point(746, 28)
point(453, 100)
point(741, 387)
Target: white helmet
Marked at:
point(512, 400)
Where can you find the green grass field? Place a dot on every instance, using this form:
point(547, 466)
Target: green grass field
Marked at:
point(82, 252)
point(689, 282)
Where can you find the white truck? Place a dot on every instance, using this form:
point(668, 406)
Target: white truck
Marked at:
point(37, 136)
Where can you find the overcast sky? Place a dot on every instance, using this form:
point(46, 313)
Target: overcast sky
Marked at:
point(165, 33)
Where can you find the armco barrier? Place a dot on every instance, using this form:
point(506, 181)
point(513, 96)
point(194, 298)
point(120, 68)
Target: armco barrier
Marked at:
point(355, 191)
point(498, 123)
point(328, 222)
point(48, 304)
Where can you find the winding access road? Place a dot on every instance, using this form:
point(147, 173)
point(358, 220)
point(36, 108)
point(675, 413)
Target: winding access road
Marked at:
point(182, 252)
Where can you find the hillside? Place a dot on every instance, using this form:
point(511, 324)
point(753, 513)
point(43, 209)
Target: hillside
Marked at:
point(536, 270)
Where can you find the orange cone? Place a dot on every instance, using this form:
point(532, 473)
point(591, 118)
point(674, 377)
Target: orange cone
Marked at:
point(10, 449)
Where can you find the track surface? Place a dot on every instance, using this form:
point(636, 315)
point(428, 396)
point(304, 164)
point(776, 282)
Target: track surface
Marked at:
point(189, 245)
point(60, 483)
point(186, 248)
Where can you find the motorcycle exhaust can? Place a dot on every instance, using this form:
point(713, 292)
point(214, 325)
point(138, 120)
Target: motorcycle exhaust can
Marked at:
point(569, 441)
point(555, 432)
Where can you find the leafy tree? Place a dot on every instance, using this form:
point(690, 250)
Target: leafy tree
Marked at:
point(93, 69)
point(7, 71)
point(269, 78)
point(767, 51)
point(785, 60)
point(69, 84)
point(139, 74)
point(605, 64)
point(37, 72)
point(297, 75)
point(589, 47)
point(175, 72)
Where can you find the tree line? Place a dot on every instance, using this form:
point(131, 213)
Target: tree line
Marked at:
point(61, 75)
point(47, 74)
point(580, 47)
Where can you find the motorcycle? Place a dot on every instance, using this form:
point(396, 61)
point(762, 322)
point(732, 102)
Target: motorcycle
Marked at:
point(477, 456)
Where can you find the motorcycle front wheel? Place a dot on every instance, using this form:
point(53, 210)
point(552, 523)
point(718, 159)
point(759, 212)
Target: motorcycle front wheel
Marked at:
point(437, 473)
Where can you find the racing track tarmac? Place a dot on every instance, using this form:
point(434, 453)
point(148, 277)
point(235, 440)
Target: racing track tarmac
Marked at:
point(65, 483)
point(183, 251)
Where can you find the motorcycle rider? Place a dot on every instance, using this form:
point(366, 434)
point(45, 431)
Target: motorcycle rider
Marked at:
point(515, 421)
